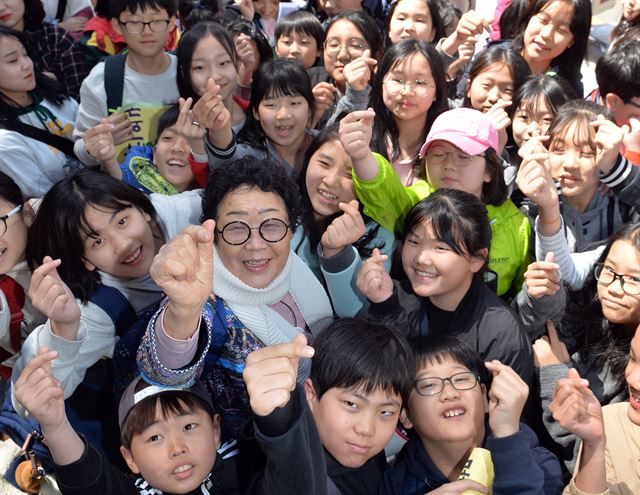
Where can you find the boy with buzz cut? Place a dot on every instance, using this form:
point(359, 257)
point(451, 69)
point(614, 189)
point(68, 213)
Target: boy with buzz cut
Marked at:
point(450, 415)
point(344, 414)
point(149, 72)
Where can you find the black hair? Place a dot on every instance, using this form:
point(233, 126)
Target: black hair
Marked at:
point(101, 8)
point(625, 31)
point(555, 91)
point(301, 22)
point(61, 224)
point(192, 12)
point(568, 62)
point(187, 46)
point(581, 112)
point(9, 190)
point(46, 86)
point(274, 78)
point(363, 355)
point(457, 218)
point(168, 118)
point(33, 14)
point(438, 347)
point(117, 7)
point(436, 21)
point(367, 27)
point(510, 18)
point(618, 71)
point(308, 222)
point(242, 26)
point(518, 67)
point(385, 124)
point(450, 16)
point(250, 172)
point(172, 403)
point(599, 342)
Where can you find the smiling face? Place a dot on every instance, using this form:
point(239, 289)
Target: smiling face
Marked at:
point(617, 306)
point(256, 262)
point(531, 120)
point(175, 454)
point(411, 19)
point(12, 14)
point(147, 43)
point(171, 157)
point(548, 34)
point(573, 162)
point(328, 179)
point(268, 9)
point(492, 84)
point(412, 99)
point(284, 119)
point(435, 270)
point(16, 70)
point(211, 61)
point(632, 375)
point(123, 245)
point(354, 426)
point(14, 241)
point(452, 416)
point(298, 46)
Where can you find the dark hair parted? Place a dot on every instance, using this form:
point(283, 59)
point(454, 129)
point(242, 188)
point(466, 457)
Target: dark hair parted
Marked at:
point(438, 347)
point(117, 7)
point(599, 342)
point(568, 63)
point(172, 403)
point(457, 218)
point(192, 12)
point(9, 190)
point(274, 78)
point(499, 55)
point(47, 86)
point(300, 22)
point(436, 21)
point(61, 225)
point(618, 71)
point(359, 354)
point(364, 23)
point(554, 90)
point(187, 46)
point(246, 173)
point(385, 123)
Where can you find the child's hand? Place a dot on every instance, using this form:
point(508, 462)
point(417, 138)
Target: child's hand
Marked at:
point(632, 138)
point(358, 72)
point(98, 141)
point(507, 397)
point(270, 374)
point(534, 175)
point(543, 277)
point(122, 130)
point(373, 280)
point(355, 133)
point(39, 392)
point(608, 142)
point(500, 120)
point(471, 24)
point(550, 350)
point(246, 8)
point(576, 409)
point(248, 57)
point(53, 298)
point(209, 111)
point(458, 487)
point(324, 95)
point(189, 127)
point(183, 268)
point(344, 230)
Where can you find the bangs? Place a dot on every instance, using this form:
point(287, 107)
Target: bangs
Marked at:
point(112, 206)
point(582, 134)
point(282, 87)
point(443, 223)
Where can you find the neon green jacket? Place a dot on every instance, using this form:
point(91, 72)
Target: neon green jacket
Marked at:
point(387, 202)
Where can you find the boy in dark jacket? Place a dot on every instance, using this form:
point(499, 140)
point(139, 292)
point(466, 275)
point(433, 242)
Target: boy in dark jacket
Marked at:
point(450, 414)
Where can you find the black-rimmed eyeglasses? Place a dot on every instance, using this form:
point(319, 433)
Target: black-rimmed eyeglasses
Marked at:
point(4, 218)
point(433, 385)
point(606, 276)
point(237, 232)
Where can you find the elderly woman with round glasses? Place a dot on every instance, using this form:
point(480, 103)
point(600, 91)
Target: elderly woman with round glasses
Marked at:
point(233, 285)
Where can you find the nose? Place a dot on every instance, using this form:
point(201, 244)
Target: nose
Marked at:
point(409, 25)
point(295, 48)
point(283, 112)
point(423, 257)
point(494, 95)
point(331, 177)
point(366, 425)
point(448, 391)
point(180, 145)
point(547, 31)
point(255, 242)
point(176, 446)
point(615, 288)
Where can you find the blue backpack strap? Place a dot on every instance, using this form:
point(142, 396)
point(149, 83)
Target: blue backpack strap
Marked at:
point(116, 305)
point(114, 80)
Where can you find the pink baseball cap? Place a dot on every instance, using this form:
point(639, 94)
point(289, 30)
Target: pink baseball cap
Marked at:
point(468, 129)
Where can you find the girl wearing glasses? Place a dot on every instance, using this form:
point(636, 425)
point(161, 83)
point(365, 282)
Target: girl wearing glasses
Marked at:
point(596, 331)
point(264, 293)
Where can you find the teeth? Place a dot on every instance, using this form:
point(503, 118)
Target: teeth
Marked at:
point(182, 469)
point(133, 256)
point(426, 274)
point(176, 163)
point(255, 262)
point(327, 195)
point(454, 413)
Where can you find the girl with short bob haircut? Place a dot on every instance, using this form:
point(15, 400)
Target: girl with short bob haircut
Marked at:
point(404, 115)
point(570, 21)
point(280, 87)
point(428, 16)
point(306, 30)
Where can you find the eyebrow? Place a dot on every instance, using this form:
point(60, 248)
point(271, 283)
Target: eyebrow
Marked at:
point(11, 53)
point(246, 213)
point(366, 400)
point(326, 156)
point(113, 215)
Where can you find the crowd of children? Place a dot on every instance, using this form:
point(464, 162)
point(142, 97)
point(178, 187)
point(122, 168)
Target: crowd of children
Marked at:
point(326, 247)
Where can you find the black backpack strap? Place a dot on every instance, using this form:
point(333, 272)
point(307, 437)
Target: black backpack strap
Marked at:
point(114, 80)
point(62, 6)
point(63, 144)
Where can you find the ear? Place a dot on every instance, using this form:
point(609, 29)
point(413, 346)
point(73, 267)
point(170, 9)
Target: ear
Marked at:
point(128, 458)
point(255, 114)
point(172, 24)
point(613, 102)
point(404, 419)
point(145, 215)
point(310, 393)
point(88, 265)
point(467, 87)
point(485, 399)
point(216, 431)
point(477, 262)
point(28, 214)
